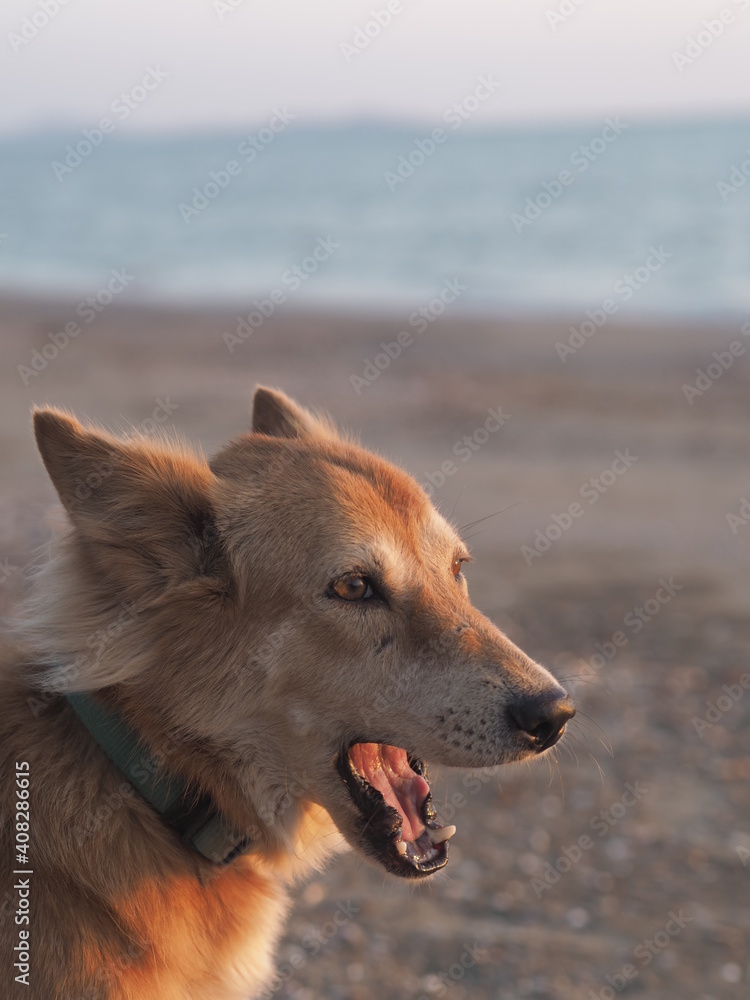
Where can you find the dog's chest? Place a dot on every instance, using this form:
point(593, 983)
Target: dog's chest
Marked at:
point(210, 942)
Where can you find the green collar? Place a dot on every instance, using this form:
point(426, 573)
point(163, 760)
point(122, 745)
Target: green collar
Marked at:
point(195, 818)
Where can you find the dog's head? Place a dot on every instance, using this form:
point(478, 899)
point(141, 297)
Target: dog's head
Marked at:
point(302, 627)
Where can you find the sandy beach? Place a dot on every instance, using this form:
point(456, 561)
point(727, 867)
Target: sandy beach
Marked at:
point(620, 560)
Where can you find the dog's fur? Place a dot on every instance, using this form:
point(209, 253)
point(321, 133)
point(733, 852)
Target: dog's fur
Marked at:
point(197, 598)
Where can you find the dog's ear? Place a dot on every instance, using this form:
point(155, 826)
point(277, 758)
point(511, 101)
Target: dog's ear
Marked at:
point(150, 503)
point(276, 415)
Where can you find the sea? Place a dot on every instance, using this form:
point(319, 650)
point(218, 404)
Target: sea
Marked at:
point(654, 217)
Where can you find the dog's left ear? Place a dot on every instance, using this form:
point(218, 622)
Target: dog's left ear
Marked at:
point(276, 415)
point(145, 509)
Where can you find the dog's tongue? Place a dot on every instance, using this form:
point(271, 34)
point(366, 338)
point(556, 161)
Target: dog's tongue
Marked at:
point(387, 769)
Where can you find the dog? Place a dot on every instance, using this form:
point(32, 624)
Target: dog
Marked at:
point(226, 673)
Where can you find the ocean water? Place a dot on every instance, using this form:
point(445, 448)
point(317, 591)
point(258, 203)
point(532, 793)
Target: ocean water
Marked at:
point(528, 221)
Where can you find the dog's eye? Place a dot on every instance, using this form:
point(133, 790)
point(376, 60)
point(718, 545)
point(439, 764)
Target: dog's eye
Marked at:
point(352, 588)
point(456, 567)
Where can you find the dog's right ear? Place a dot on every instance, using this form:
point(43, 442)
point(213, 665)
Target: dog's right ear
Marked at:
point(149, 505)
point(276, 415)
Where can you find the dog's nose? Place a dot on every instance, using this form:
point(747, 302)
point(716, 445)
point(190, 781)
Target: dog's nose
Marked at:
point(542, 717)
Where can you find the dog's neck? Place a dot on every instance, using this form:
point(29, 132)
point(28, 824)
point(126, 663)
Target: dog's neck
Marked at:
point(193, 815)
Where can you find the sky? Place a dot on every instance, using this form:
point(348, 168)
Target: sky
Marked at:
point(222, 64)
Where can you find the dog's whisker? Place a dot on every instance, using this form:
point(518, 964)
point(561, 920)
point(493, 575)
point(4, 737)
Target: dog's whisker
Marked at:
point(565, 745)
point(559, 774)
point(479, 520)
point(583, 718)
point(455, 502)
point(581, 678)
point(585, 736)
point(548, 762)
point(591, 755)
point(572, 737)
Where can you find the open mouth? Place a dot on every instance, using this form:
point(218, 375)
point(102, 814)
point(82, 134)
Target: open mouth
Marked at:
point(389, 788)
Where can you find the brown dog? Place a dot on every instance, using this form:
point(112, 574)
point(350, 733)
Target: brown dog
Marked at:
point(227, 672)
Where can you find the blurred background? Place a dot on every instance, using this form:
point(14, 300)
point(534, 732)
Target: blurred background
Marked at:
point(414, 216)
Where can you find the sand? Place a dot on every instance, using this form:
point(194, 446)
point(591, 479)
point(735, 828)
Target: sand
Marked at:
point(645, 811)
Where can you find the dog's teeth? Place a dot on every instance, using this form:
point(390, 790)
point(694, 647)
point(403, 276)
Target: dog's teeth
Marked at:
point(440, 836)
point(401, 847)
